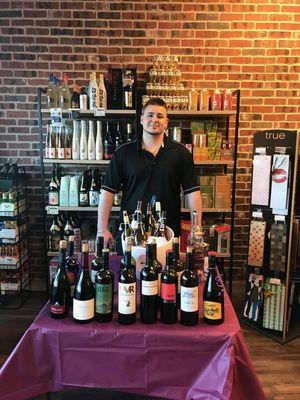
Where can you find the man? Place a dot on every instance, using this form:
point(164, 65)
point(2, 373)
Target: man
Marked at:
point(151, 165)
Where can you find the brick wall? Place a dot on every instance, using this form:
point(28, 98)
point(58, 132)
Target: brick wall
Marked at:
point(248, 44)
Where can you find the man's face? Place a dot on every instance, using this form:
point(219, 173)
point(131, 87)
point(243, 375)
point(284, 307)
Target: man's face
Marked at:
point(154, 120)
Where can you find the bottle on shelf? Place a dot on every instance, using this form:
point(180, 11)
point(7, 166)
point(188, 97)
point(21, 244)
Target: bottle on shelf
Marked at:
point(72, 265)
point(83, 141)
point(195, 239)
point(178, 265)
point(60, 286)
point(77, 233)
point(102, 93)
point(149, 289)
point(91, 142)
point(68, 144)
point(83, 192)
point(53, 193)
point(189, 292)
point(127, 291)
point(68, 230)
point(84, 293)
point(65, 94)
point(75, 97)
point(169, 284)
point(52, 150)
point(97, 260)
point(83, 99)
point(118, 137)
point(99, 142)
point(94, 97)
point(104, 290)
point(140, 237)
point(51, 94)
point(61, 143)
point(128, 77)
point(213, 294)
point(129, 133)
point(76, 140)
point(150, 221)
point(94, 192)
point(108, 143)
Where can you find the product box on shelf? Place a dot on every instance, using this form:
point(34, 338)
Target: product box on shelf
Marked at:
point(207, 188)
point(273, 305)
point(223, 238)
point(223, 191)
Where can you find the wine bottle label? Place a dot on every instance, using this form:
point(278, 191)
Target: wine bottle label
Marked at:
point(83, 198)
point(212, 310)
point(68, 153)
point(57, 309)
point(168, 292)
point(93, 275)
point(54, 242)
point(83, 154)
point(128, 99)
point(179, 273)
point(51, 152)
point(53, 199)
point(127, 298)
point(150, 288)
point(94, 198)
point(61, 153)
point(103, 299)
point(83, 309)
point(189, 299)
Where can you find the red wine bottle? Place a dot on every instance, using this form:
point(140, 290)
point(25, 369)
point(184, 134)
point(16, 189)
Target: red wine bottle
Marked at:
point(189, 293)
point(127, 292)
point(97, 261)
point(213, 294)
point(60, 286)
point(169, 283)
point(178, 265)
point(149, 289)
point(104, 284)
point(72, 266)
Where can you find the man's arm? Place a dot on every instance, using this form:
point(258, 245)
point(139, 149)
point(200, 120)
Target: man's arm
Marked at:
point(105, 204)
point(195, 203)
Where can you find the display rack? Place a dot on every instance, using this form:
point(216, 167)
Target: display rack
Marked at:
point(133, 115)
point(15, 279)
point(270, 145)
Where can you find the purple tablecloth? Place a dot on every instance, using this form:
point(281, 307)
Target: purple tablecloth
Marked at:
point(175, 362)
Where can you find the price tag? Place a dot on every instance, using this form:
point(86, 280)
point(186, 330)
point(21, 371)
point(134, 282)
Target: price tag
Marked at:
point(52, 210)
point(56, 116)
point(99, 112)
point(275, 281)
point(260, 150)
point(279, 218)
point(257, 214)
point(280, 150)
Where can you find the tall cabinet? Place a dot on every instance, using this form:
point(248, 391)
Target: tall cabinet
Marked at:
point(229, 121)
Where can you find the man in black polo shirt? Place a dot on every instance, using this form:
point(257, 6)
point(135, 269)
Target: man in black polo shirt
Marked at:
point(151, 165)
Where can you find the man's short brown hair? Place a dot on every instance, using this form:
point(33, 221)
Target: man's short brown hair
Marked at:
point(155, 101)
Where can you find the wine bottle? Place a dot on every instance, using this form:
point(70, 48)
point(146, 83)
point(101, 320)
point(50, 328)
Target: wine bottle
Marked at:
point(189, 293)
point(128, 242)
point(84, 294)
point(99, 142)
point(76, 141)
point(150, 221)
point(195, 239)
point(127, 229)
point(94, 98)
point(178, 265)
point(157, 265)
point(60, 286)
point(118, 137)
point(75, 97)
point(48, 141)
point(96, 262)
point(61, 143)
point(94, 192)
point(128, 82)
point(104, 290)
point(129, 134)
point(149, 289)
point(213, 294)
point(83, 99)
point(83, 192)
point(52, 150)
point(72, 265)
point(108, 144)
point(53, 193)
point(169, 283)
point(51, 94)
point(65, 94)
point(83, 141)
point(68, 150)
point(91, 142)
point(127, 292)
point(102, 93)
point(140, 237)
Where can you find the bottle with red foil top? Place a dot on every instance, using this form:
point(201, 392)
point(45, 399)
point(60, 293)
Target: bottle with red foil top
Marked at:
point(216, 101)
point(169, 288)
point(227, 100)
point(60, 286)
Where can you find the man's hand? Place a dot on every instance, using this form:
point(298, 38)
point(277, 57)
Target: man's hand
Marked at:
point(107, 236)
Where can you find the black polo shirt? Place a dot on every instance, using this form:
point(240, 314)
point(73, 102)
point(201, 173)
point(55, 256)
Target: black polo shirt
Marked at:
point(140, 175)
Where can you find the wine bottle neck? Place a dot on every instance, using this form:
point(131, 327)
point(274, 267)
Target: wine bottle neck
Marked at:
point(70, 249)
point(85, 261)
point(188, 265)
point(127, 259)
point(176, 251)
point(62, 259)
point(105, 260)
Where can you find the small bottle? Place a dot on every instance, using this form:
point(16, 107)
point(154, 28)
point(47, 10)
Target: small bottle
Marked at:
point(91, 142)
point(97, 261)
point(140, 237)
point(76, 141)
point(118, 137)
point(83, 141)
point(213, 294)
point(51, 94)
point(104, 290)
point(75, 97)
point(203, 100)
point(108, 143)
point(68, 230)
point(189, 293)
point(150, 221)
point(84, 294)
point(60, 286)
point(128, 83)
point(94, 100)
point(149, 289)
point(65, 94)
point(94, 192)
point(102, 93)
point(83, 192)
point(53, 194)
point(61, 143)
point(54, 235)
point(83, 99)
point(178, 265)
point(68, 145)
point(169, 284)
point(72, 265)
point(127, 292)
point(52, 150)
point(129, 134)
point(99, 142)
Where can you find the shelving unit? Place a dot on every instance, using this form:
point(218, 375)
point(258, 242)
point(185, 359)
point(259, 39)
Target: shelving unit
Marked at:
point(173, 116)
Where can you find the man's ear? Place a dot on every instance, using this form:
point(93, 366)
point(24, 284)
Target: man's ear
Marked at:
point(141, 119)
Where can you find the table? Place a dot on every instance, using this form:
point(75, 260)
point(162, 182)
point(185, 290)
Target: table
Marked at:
point(171, 361)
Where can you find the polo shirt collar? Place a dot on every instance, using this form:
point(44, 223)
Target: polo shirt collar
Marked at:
point(167, 143)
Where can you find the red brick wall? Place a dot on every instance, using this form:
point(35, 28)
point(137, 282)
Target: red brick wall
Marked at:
point(248, 44)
